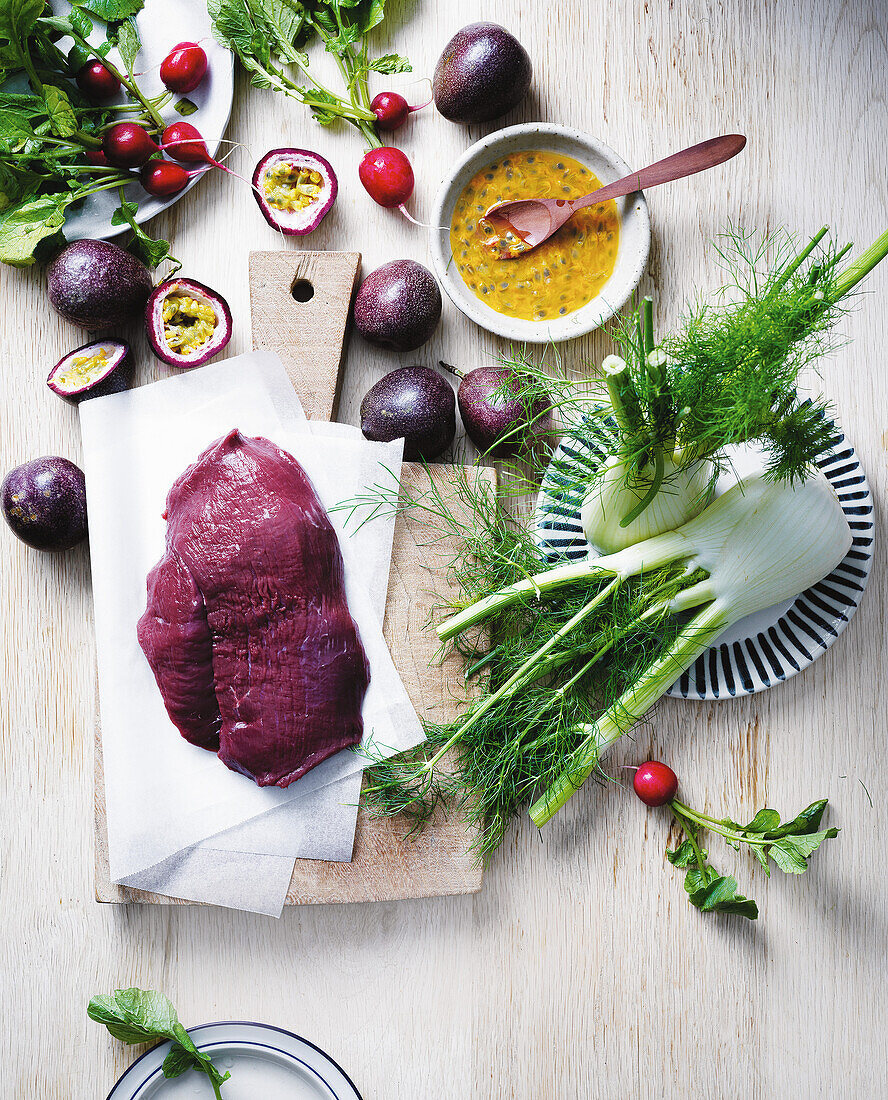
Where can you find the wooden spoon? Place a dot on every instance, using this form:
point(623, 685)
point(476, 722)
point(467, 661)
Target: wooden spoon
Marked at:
point(522, 224)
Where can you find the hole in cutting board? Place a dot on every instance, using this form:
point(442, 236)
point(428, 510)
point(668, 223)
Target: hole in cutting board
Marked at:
point(302, 290)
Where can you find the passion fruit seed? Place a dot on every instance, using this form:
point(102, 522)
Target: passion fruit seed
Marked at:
point(188, 323)
point(291, 186)
point(82, 368)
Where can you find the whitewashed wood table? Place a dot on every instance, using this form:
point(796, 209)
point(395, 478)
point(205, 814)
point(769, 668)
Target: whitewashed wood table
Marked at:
point(580, 970)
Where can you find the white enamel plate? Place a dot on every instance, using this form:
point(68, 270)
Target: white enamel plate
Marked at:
point(265, 1062)
point(162, 24)
point(765, 648)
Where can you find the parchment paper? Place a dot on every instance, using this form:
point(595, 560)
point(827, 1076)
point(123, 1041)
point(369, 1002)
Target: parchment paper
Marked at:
point(162, 794)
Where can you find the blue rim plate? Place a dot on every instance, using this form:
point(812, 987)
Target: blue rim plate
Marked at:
point(315, 1072)
point(765, 648)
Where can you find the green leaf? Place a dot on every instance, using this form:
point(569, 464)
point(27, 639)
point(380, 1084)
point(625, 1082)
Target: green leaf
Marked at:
point(788, 858)
point(720, 896)
point(77, 58)
point(184, 107)
point(60, 112)
point(390, 63)
point(763, 822)
point(178, 1060)
point(324, 117)
point(135, 1015)
point(808, 821)
point(23, 227)
point(81, 22)
point(15, 128)
point(762, 856)
point(683, 855)
point(125, 213)
point(128, 44)
point(790, 853)
point(17, 19)
point(373, 15)
point(111, 10)
point(143, 1016)
point(286, 17)
point(697, 879)
point(150, 251)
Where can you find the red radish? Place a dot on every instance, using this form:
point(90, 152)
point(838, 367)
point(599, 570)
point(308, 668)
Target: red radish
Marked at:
point(655, 783)
point(184, 67)
point(183, 142)
point(387, 177)
point(97, 82)
point(163, 179)
point(392, 109)
point(97, 158)
point(128, 145)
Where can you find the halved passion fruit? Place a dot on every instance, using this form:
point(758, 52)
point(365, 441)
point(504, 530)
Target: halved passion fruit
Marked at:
point(92, 371)
point(187, 322)
point(295, 189)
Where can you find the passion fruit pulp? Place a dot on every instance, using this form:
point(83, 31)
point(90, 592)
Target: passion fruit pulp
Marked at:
point(295, 189)
point(187, 323)
point(92, 370)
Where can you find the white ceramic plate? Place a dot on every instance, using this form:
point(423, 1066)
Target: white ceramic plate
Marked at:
point(266, 1063)
point(162, 24)
point(765, 648)
point(635, 232)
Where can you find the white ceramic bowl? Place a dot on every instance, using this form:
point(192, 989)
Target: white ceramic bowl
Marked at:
point(635, 232)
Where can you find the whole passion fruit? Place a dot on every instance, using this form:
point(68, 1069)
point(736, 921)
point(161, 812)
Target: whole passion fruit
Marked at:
point(482, 73)
point(413, 402)
point(295, 189)
point(187, 323)
point(93, 370)
point(96, 284)
point(501, 416)
point(398, 306)
point(44, 502)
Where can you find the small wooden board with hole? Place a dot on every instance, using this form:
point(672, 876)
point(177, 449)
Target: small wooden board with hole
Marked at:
point(385, 866)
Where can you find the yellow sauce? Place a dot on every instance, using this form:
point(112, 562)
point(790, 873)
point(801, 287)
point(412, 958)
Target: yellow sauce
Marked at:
point(564, 272)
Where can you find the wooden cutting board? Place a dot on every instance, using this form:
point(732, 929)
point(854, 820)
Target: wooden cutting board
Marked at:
point(300, 304)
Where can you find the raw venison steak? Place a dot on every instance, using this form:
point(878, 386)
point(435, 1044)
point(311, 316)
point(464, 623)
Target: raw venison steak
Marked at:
point(247, 629)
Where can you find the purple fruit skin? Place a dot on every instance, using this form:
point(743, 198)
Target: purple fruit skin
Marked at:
point(44, 502)
point(119, 378)
point(222, 310)
point(326, 169)
point(482, 73)
point(486, 421)
point(413, 402)
point(398, 306)
point(97, 285)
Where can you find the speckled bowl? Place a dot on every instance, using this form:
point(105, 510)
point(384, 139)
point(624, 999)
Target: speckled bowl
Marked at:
point(635, 232)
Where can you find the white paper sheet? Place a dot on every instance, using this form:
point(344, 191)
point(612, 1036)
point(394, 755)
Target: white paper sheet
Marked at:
point(162, 794)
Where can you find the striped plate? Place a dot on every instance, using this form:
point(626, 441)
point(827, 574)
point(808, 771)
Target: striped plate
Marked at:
point(762, 649)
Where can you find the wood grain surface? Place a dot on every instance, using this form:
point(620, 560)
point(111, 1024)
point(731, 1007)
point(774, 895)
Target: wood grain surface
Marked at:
point(579, 971)
point(308, 331)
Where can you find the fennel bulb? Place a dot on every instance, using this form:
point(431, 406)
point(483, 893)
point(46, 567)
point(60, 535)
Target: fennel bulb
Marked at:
point(614, 494)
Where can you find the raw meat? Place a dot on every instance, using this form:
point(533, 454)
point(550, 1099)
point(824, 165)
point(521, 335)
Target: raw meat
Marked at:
point(247, 628)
